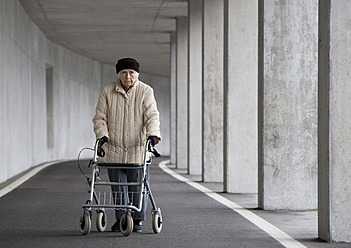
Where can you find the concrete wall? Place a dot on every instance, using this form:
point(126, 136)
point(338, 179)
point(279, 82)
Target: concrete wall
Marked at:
point(108, 74)
point(49, 95)
point(41, 123)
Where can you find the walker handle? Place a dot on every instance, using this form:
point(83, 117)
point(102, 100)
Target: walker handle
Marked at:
point(152, 149)
point(100, 151)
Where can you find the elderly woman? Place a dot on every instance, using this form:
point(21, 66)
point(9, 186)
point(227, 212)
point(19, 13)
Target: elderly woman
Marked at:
point(126, 115)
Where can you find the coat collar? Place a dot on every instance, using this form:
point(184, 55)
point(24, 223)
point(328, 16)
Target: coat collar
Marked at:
point(119, 87)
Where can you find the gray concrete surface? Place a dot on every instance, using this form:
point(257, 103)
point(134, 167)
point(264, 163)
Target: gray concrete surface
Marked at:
point(195, 87)
point(240, 97)
point(182, 92)
point(45, 210)
point(37, 124)
point(212, 99)
point(173, 100)
point(334, 120)
point(287, 79)
point(95, 28)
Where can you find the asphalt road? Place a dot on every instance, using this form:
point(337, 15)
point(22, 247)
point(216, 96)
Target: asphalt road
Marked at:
point(45, 211)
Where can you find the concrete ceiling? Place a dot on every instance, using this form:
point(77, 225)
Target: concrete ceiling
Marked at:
point(105, 30)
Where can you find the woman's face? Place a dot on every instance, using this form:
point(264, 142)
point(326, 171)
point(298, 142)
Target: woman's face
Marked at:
point(128, 78)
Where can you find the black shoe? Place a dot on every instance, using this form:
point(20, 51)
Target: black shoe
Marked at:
point(138, 227)
point(115, 227)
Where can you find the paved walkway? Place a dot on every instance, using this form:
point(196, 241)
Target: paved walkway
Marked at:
point(44, 212)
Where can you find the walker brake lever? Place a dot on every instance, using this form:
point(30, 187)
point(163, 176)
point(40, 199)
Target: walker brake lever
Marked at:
point(152, 149)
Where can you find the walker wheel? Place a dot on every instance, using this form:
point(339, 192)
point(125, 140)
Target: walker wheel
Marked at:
point(157, 221)
point(85, 223)
point(126, 224)
point(101, 221)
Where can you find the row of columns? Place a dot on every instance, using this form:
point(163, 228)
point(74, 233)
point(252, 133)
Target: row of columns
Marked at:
point(262, 103)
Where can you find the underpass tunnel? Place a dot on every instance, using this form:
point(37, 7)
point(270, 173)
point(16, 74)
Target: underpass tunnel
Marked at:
point(253, 95)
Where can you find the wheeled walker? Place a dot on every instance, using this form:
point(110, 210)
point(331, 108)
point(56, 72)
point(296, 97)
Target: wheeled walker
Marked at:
point(101, 198)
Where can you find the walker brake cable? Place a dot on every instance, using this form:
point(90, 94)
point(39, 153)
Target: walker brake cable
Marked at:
point(80, 168)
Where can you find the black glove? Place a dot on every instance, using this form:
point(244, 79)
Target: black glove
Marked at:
point(154, 140)
point(100, 151)
point(103, 140)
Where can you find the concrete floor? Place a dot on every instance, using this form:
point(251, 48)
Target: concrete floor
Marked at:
point(44, 212)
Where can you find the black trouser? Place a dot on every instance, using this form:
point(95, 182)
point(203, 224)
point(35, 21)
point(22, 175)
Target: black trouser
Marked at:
point(122, 195)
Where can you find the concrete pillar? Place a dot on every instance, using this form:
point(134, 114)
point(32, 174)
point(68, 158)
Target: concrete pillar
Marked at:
point(4, 40)
point(195, 87)
point(240, 96)
point(334, 122)
point(212, 163)
point(173, 100)
point(288, 104)
point(182, 92)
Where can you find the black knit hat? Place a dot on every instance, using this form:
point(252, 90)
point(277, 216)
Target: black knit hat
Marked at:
point(127, 63)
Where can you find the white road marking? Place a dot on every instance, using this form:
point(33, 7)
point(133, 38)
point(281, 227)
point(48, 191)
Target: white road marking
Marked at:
point(272, 230)
point(24, 178)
